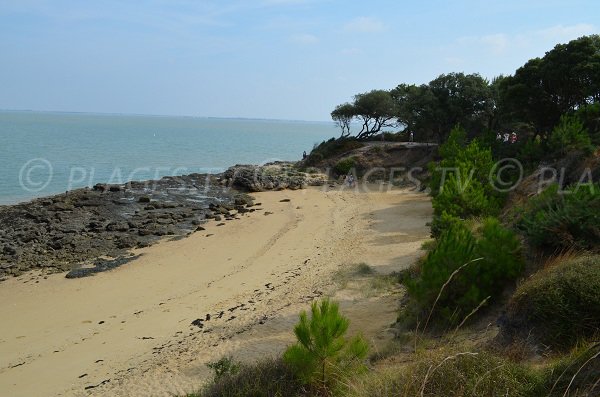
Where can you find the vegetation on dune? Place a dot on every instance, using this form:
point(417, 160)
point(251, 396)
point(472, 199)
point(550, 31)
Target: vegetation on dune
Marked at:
point(463, 271)
point(480, 247)
point(560, 305)
point(558, 220)
point(454, 374)
point(323, 357)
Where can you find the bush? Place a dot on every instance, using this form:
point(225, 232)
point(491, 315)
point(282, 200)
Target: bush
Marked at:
point(560, 220)
point(331, 148)
point(224, 366)
point(344, 166)
point(323, 356)
point(450, 374)
point(559, 305)
point(458, 249)
point(266, 378)
point(569, 135)
point(460, 183)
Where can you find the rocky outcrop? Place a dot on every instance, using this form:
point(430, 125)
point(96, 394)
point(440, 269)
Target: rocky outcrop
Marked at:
point(74, 229)
point(273, 176)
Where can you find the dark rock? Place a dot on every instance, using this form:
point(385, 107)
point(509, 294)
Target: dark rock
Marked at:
point(285, 200)
point(117, 227)
point(114, 188)
point(144, 199)
point(198, 323)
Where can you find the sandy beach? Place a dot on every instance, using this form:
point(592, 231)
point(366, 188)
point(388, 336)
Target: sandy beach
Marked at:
point(129, 331)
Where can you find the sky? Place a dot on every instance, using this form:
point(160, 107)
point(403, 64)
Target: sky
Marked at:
point(276, 59)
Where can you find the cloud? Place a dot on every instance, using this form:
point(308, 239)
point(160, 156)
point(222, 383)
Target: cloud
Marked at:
point(566, 33)
point(364, 24)
point(304, 38)
point(503, 44)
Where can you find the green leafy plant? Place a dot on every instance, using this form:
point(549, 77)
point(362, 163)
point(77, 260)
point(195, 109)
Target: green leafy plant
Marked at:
point(323, 355)
point(224, 366)
point(460, 182)
point(344, 165)
point(562, 219)
point(569, 135)
point(464, 270)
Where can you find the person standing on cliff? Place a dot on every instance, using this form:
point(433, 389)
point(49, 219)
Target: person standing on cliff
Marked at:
point(411, 137)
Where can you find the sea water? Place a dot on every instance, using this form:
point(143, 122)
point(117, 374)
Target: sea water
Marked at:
point(47, 153)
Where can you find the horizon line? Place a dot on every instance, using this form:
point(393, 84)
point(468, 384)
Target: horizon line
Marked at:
point(161, 115)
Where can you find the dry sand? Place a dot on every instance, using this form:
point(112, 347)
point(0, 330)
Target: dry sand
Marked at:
point(128, 332)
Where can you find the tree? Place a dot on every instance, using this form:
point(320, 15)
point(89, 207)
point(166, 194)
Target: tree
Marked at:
point(433, 109)
point(322, 354)
point(343, 115)
point(376, 109)
point(564, 80)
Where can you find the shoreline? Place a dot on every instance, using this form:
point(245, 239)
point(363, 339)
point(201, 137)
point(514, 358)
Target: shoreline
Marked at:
point(100, 226)
point(130, 331)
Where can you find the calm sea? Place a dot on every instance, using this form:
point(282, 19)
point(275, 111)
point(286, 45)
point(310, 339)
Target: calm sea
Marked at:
point(48, 153)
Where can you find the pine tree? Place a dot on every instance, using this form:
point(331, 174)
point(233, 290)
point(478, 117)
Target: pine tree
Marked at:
point(323, 355)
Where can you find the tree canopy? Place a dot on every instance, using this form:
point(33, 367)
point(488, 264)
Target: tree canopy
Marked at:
point(565, 80)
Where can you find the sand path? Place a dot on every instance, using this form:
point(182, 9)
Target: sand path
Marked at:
point(128, 331)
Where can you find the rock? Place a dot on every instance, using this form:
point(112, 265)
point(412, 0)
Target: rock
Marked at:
point(217, 218)
point(8, 250)
point(286, 200)
point(114, 188)
point(144, 199)
point(117, 227)
point(198, 323)
point(200, 228)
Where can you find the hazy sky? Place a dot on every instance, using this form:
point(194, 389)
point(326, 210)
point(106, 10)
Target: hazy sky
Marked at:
point(285, 59)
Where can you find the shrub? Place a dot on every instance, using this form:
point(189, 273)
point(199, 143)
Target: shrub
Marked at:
point(344, 165)
point(569, 135)
point(562, 220)
point(458, 250)
point(451, 374)
point(270, 377)
point(460, 183)
point(224, 366)
point(331, 148)
point(559, 305)
point(323, 356)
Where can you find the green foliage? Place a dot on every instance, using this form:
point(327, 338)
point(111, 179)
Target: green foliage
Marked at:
point(431, 110)
point(375, 109)
point(224, 366)
point(344, 166)
point(566, 78)
point(266, 378)
point(460, 182)
point(323, 356)
point(331, 148)
point(455, 374)
point(569, 135)
point(343, 115)
point(590, 117)
point(559, 305)
point(562, 219)
point(459, 248)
